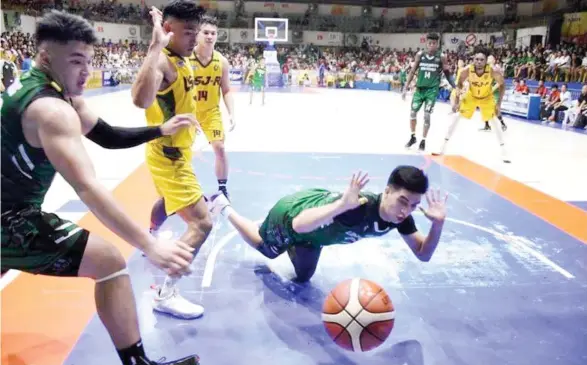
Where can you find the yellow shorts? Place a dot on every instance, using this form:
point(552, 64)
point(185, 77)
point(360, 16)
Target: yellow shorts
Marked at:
point(173, 175)
point(211, 122)
point(485, 105)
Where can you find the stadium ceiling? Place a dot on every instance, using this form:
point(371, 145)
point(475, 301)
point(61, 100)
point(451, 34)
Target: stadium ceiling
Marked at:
point(401, 3)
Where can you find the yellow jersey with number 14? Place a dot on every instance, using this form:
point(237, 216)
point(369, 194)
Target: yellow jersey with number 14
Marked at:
point(177, 98)
point(207, 79)
point(480, 86)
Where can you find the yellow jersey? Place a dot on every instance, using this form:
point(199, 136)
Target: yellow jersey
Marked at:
point(177, 98)
point(207, 81)
point(480, 87)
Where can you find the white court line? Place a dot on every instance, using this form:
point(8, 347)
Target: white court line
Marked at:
point(211, 260)
point(8, 278)
point(513, 240)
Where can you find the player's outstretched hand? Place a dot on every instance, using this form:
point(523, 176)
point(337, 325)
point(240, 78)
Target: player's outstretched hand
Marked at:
point(350, 199)
point(231, 124)
point(174, 257)
point(159, 37)
point(436, 211)
point(178, 122)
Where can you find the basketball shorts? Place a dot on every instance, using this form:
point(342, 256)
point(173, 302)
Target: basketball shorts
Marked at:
point(37, 242)
point(470, 104)
point(173, 175)
point(426, 97)
point(211, 122)
point(257, 84)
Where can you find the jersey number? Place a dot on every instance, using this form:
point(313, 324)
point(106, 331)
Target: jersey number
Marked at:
point(427, 74)
point(202, 95)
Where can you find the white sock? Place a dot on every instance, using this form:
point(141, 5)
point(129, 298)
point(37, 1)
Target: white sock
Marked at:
point(227, 211)
point(168, 286)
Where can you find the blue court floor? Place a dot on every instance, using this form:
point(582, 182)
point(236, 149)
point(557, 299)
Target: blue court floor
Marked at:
point(504, 287)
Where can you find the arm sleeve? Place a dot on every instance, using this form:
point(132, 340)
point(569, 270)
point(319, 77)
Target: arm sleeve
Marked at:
point(111, 137)
point(407, 227)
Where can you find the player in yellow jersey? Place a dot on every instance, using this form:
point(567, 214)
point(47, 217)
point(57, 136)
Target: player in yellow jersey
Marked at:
point(479, 95)
point(212, 78)
point(164, 87)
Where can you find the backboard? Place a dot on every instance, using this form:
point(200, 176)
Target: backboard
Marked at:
point(271, 29)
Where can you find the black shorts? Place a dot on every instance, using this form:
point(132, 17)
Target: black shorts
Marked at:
point(41, 243)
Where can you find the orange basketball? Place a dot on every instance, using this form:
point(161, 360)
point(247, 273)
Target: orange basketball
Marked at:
point(358, 315)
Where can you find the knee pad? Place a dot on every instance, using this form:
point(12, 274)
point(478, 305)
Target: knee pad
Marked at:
point(113, 275)
point(427, 119)
point(413, 114)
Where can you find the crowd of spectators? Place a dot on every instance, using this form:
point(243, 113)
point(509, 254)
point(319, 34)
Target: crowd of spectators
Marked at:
point(564, 63)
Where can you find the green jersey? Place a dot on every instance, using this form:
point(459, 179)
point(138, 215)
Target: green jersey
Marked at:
point(429, 71)
point(361, 222)
point(27, 173)
point(259, 75)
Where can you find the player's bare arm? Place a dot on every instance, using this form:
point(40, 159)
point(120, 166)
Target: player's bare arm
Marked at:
point(154, 74)
point(111, 137)
point(413, 71)
point(226, 92)
point(461, 81)
point(311, 219)
point(446, 70)
point(424, 246)
point(59, 134)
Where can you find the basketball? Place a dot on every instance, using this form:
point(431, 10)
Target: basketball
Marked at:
point(358, 315)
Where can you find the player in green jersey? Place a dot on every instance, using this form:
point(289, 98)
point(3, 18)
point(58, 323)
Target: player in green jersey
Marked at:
point(429, 66)
point(43, 120)
point(304, 222)
point(259, 73)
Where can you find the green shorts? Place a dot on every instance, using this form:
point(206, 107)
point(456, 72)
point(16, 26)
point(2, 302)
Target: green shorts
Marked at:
point(41, 243)
point(426, 97)
point(276, 230)
point(257, 84)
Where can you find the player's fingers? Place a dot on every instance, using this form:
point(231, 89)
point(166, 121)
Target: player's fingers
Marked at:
point(364, 183)
point(184, 246)
point(185, 255)
point(438, 198)
point(428, 199)
point(445, 196)
point(178, 263)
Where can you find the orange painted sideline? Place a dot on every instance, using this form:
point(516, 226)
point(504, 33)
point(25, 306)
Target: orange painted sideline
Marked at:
point(564, 216)
point(43, 317)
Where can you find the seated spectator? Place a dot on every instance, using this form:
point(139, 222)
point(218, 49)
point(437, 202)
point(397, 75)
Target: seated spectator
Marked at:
point(564, 103)
point(578, 114)
point(542, 90)
point(522, 88)
point(548, 107)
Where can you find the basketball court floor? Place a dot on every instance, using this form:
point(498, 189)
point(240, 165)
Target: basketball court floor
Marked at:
point(507, 284)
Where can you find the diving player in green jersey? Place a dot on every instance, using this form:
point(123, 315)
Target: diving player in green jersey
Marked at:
point(429, 65)
point(258, 80)
point(304, 222)
point(43, 120)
